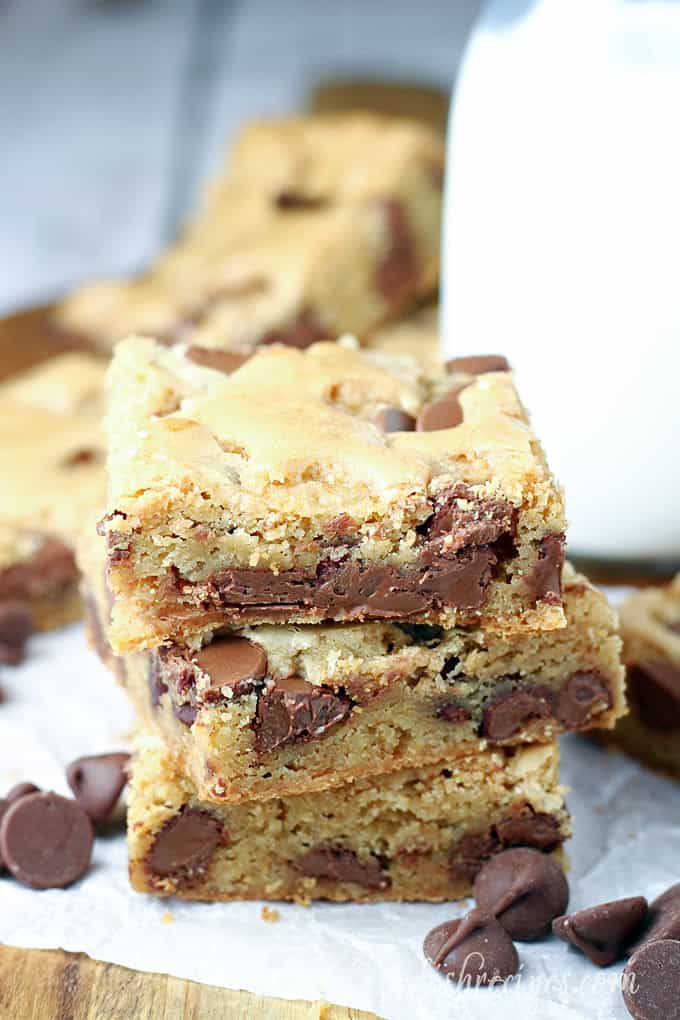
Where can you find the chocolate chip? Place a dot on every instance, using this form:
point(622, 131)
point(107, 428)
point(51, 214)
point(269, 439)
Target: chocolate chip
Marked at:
point(50, 571)
point(446, 413)
point(397, 275)
point(663, 919)
point(221, 361)
point(289, 201)
point(466, 520)
point(651, 981)
point(393, 419)
point(186, 713)
point(422, 633)
point(478, 364)
point(97, 782)
point(582, 692)
point(302, 332)
point(508, 713)
point(654, 690)
point(85, 455)
point(157, 688)
point(602, 932)
point(474, 951)
point(16, 626)
point(21, 790)
point(450, 712)
point(674, 627)
point(340, 865)
point(525, 889)
point(184, 847)
point(529, 828)
point(232, 662)
point(544, 580)
point(291, 709)
point(469, 853)
point(46, 840)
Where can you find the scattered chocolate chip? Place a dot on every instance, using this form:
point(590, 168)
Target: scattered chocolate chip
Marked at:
point(16, 626)
point(234, 663)
point(651, 981)
point(302, 332)
point(654, 689)
point(289, 201)
point(602, 932)
point(97, 782)
point(474, 951)
point(525, 889)
point(340, 865)
point(422, 633)
point(508, 713)
point(221, 361)
point(186, 713)
point(83, 456)
point(450, 712)
point(393, 419)
point(582, 692)
point(21, 790)
point(478, 364)
point(663, 918)
point(446, 413)
point(184, 847)
point(396, 277)
point(46, 840)
point(291, 709)
point(544, 580)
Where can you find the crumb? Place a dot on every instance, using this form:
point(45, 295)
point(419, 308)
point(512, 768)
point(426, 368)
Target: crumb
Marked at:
point(269, 915)
point(167, 918)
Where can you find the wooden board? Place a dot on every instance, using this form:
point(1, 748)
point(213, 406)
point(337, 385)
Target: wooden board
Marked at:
point(53, 985)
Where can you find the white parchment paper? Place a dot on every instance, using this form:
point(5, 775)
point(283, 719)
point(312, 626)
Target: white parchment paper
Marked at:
point(62, 703)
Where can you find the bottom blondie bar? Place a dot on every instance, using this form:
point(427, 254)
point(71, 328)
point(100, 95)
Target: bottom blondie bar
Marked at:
point(418, 834)
point(650, 627)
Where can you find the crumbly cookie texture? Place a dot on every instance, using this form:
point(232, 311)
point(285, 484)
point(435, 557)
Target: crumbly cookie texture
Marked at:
point(319, 226)
point(650, 628)
point(275, 710)
point(52, 463)
point(279, 492)
point(417, 834)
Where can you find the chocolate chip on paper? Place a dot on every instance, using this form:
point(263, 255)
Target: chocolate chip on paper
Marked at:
point(651, 981)
point(602, 932)
point(97, 782)
point(474, 951)
point(524, 889)
point(46, 840)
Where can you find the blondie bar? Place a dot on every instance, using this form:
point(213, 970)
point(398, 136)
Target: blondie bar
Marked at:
point(330, 483)
point(650, 627)
point(418, 834)
point(319, 226)
point(52, 464)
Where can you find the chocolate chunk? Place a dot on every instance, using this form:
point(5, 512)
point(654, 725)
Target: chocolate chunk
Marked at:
point(234, 663)
point(663, 919)
point(16, 626)
point(651, 981)
point(46, 574)
point(21, 790)
point(340, 865)
point(529, 828)
point(289, 201)
point(97, 782)
point(508, 713)
point(302, 332)
point(544, 580)
point(582, 692)
point(396, 277)
point(450, 712)
point(46, 840)
point(291, 709)
point(393, 419)
point(466, 520)
point(474, 951)
point(221, 361)
point(525, 889)
point(446, 413)
point(184, 847)
point(469, 853)
point(478, 364)
point(186, 713)
point(654, 690)
point(602, 932)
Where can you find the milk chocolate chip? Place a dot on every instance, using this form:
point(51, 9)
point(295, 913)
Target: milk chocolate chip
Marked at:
point(651, 981)
point(474, 951)
point(16, 626)
point(478, 364)
point(221, 361)
point(544, 580)
point(97, 782)
point(340, 865)
point(397, 274)
point(509, 712)
point(302, 332)
point(663, 919)
point(46, 840)
point(393, 419)
point(524, 889)
point(445, 413)
point(582, 692)
point(184, 847)
point(654, 689)
point(291, 709)
point(234, 663)
point(602, 932)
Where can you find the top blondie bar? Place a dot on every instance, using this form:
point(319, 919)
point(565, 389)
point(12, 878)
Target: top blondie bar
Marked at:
point(318, 226)
point(331, 483)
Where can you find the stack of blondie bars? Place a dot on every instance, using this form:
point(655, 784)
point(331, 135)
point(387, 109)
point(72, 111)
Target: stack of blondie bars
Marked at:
point(332, 583)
